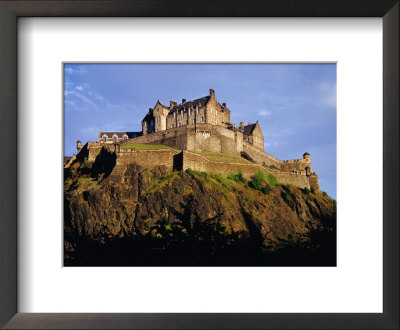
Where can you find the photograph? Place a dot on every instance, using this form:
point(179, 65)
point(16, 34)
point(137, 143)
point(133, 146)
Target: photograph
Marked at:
point(199, 164)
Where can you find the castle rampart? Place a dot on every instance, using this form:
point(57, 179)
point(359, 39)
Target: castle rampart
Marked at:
point(200, 163)
point(260, 157)
point(146, 158)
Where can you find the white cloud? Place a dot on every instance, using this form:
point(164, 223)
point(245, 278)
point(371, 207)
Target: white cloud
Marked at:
point(79, 88)
point(264, 113)
point(78, 70)
point(68, 94)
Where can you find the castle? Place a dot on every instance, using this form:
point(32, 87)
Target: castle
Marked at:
point(200, 126)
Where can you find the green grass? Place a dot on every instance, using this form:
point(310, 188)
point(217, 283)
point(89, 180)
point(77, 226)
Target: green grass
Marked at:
point(163, 181)
point(222, 157)
point(272, 180)
point(257, 180)
point(237, 177)
point(145, 146)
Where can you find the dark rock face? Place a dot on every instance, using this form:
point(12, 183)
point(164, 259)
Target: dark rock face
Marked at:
point(137, 216)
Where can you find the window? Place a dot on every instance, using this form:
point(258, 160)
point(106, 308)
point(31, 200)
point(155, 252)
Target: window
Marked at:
point(179, 124)
point(115, 138)
point(182, 113)
point(216, 113)
point(125, 137)
point(175, 115)
point(202, 119)
point(198, 110)
point(194, 121)
point(105, 138)
point(190, 111)
point(172, 125)
point(187, 121)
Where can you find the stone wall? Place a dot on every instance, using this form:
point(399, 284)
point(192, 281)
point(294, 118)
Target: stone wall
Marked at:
point(94, 150)
point(175, 138)
point(313, 178)
point(174, 160)
point(260, 157)
point(146, 158)
point(200, 137)
point(296, 166)
point(200, 163)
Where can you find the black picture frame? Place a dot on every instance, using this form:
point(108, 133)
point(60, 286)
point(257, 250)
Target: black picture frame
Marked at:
point(9, 13)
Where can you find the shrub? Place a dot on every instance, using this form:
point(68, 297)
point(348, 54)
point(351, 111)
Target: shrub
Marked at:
point(237, 177)
point(176, 190)
point(218, 177)
point(248, 198)
point(266, 190)
point(190, 171)
point(324, 193)
point(287, 198)
point(258, 180)
point(272, 180)
point(312, 190)
point(306, 191)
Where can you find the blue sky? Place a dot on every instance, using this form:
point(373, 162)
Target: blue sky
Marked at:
point(294, 103)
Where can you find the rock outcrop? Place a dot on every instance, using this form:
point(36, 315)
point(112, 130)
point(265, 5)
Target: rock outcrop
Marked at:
point(129, 215)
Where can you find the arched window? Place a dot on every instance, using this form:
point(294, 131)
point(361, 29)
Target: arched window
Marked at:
point(104, 138)
point(115, 138)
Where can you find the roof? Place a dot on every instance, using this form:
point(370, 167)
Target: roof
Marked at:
point(121, 134)
point(193, 103)
point(248, 129)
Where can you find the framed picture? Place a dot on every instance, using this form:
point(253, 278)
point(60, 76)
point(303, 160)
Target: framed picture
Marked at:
point(203, 136)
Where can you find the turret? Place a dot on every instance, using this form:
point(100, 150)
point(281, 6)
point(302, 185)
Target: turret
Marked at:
point(306, 156)
point(79, 145)
point(212, 93)
point(172, 104)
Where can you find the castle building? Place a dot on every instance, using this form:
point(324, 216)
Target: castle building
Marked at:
point(203, 125)
point(115, 137)
point(204, 110)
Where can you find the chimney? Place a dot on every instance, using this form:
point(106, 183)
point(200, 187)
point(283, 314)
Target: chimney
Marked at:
point(241, 125)
point(212, 93)
point(172, 104)
point(224, 105)
point(183, 100)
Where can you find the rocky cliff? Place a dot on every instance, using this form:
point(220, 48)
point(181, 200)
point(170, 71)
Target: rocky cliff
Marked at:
point(129, 215)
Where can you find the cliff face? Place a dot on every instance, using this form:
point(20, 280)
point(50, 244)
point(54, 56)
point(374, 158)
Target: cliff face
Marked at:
point(129, 215)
